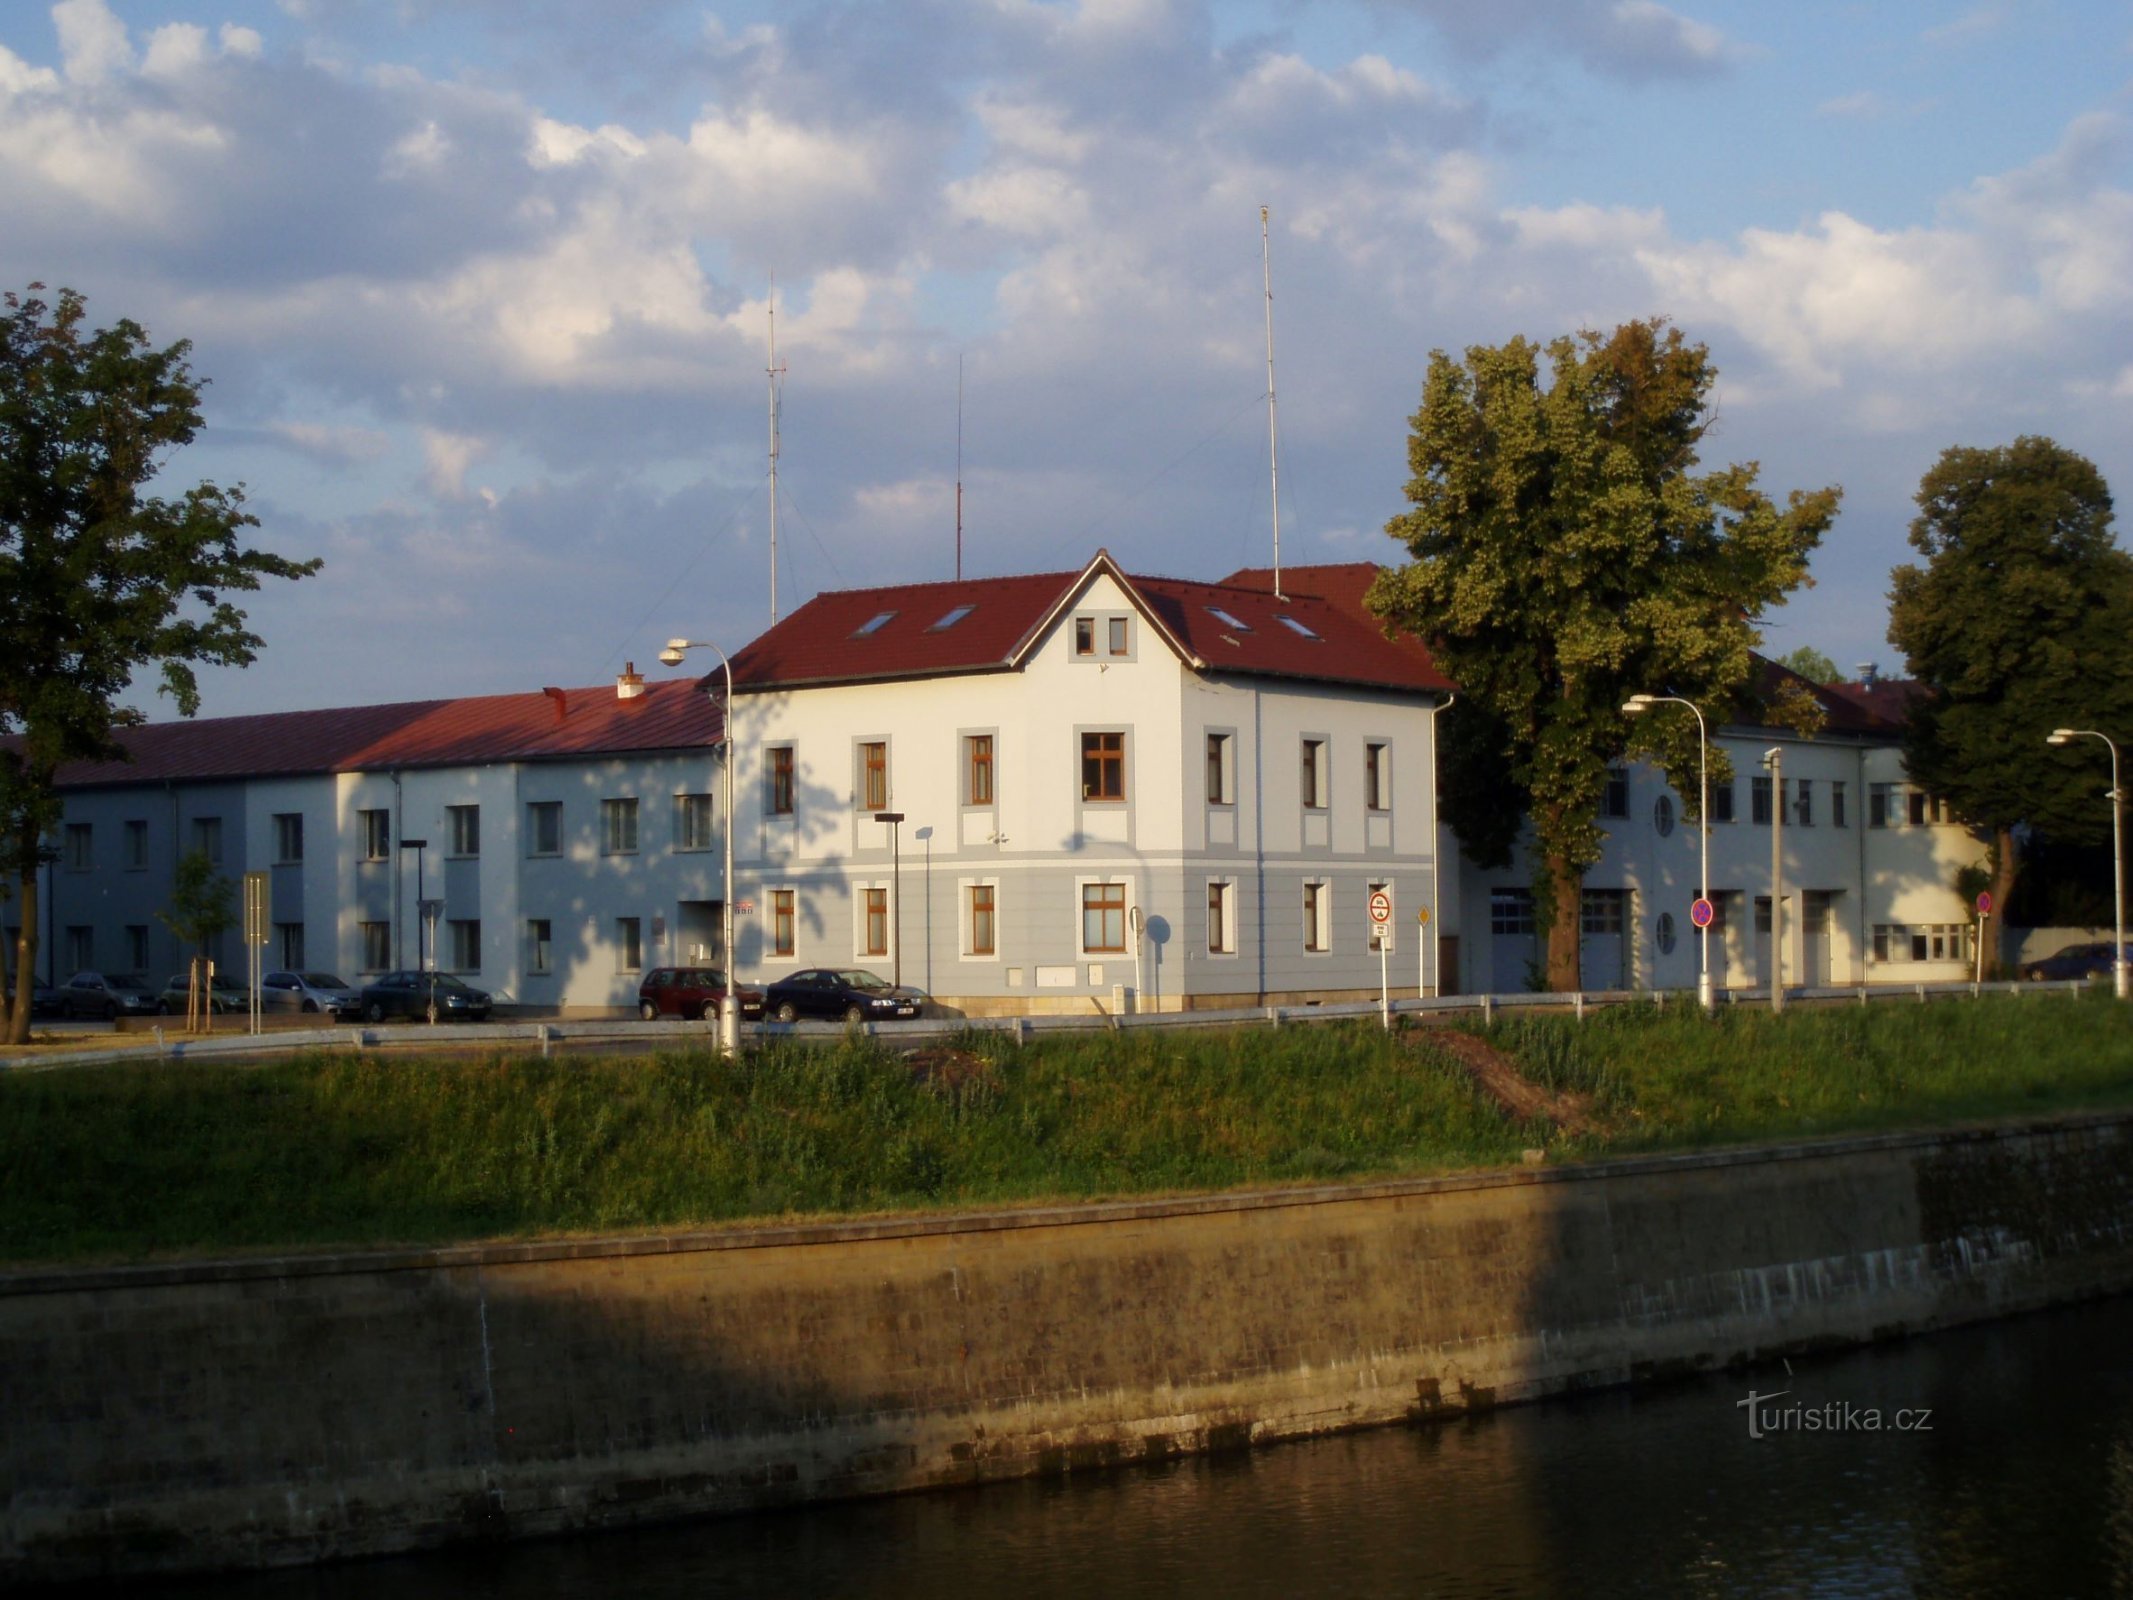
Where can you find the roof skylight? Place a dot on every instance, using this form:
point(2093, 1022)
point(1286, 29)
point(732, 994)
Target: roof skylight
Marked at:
point(1227, 620)
point(1296, 627)
point(872, 625)
point(951, 619)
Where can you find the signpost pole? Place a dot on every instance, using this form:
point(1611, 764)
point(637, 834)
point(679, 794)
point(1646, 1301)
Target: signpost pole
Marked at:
point(1381, 931)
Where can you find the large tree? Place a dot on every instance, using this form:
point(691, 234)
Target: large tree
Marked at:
point(1567, 555)
point(100, 582)
point(2020, 621)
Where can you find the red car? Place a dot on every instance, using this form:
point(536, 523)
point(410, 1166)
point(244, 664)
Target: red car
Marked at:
point(691, 992)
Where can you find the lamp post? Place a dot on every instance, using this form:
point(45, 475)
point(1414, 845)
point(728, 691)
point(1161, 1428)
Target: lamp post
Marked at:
point(729, 1007)
point(2118, 864)
point(1433, 930)
point(1635, 706)
point(1774, 759)
point(421, 848)
point(896, 896)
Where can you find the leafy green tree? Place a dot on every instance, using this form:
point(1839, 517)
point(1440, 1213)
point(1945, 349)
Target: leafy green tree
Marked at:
point(99, 581)
point(202, 905)
point(1812, 665)
point(1567, 555)
point(2018, 624)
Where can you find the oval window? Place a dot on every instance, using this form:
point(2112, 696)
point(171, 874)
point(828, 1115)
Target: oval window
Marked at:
point(1666, 933)
point(1663, 814)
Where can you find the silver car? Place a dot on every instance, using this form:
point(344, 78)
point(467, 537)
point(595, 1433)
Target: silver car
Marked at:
point(317, 992)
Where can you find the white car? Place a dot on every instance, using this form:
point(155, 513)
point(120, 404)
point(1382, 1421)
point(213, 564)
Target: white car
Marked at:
point(320, 992)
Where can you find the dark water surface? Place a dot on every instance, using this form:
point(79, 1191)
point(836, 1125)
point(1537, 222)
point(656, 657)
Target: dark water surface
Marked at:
point(2018, 1482)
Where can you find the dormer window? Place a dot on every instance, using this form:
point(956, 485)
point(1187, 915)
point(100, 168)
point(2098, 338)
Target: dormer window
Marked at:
point(872, 625)
point(951, 619)
point(1297, 628)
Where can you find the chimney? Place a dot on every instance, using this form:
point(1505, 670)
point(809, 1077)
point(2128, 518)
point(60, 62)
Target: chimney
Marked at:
point(630, 684)
point(562, 702)
point(1869, 674)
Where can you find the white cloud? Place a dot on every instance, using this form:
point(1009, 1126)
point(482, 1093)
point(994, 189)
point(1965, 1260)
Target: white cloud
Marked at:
point(175, 48)
point(448, 457)
point(18, 77)
point(92, 42)
point(241, 42)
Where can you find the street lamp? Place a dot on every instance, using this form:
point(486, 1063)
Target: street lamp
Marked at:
point(1433, 931)
point(896, 896)
point(729, 1008)
point(1774, 759)
point(1635, 706)
point(421, 848)
point(2117, 798)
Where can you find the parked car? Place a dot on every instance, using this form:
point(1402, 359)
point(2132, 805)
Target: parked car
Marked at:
point(850, 994)
point(225, 994)
point(409, 994)
point(316, 992)
point(2091, 960)
point(44, 999)
point(107, 995)
point(691, 992)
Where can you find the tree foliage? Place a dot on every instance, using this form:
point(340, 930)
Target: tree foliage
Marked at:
point(1568, 554)
point(1812, 665)
point(2017, 623)
point(100, 582)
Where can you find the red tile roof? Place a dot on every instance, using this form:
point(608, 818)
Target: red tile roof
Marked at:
point(822, 642)
point(549, 725)
point(1890, 699)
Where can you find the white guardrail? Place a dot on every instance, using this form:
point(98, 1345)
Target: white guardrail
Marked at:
point(548, 1036)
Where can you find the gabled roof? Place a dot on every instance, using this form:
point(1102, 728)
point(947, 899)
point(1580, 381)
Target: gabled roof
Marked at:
point(880, 635)
point(1890, 699)
point(548, 725)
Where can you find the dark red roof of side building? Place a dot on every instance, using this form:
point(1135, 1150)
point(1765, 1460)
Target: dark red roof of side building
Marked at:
point(1890, 699)
point(990, 624)
point(548, 725)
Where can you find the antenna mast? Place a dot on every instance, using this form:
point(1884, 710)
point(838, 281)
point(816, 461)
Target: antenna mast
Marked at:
point(775, 372)
point(1273, 453)
point(958, 469)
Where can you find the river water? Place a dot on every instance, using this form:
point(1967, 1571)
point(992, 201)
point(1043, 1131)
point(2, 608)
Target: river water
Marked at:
point(1982, 1462)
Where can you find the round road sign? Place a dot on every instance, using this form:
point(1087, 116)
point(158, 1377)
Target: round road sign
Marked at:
point(1984, 903)
point(1380, 908)
point(1702, 912)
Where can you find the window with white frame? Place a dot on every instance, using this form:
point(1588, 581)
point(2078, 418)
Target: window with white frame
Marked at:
point(872, 785)
point(629, 944)
point(1803, 801)
point(1221, 917)
point(778, 780)
point(1103, 767)
point(540, 945)
point(1312, 771)
point(463, 829)
point(977, 769)
point(874, 920)
point(783, 939)
point(1614, 799)
point(544, 828)
point(693, 822)
point(1722, 801)
point(377, 831)
point(1377, 776)
point(981, 904)
point(1836, 803)
point(288, 838)
point(618, 827)
point(463, 940)
point(1880, 805)
point(1603, 911)
point(1317, 916)
point(1221, 782)
point(289, 944)
point(377, 942)
point(1103, 918)
point(1511, 910)
point(1759, 801)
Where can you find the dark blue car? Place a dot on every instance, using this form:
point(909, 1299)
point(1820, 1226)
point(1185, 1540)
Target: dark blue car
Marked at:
point(842, 994)
point(2074, 961)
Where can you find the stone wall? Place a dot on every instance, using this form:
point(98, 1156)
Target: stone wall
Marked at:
point(276, 1411)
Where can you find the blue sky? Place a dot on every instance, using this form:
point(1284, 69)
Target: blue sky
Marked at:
point(480, 284)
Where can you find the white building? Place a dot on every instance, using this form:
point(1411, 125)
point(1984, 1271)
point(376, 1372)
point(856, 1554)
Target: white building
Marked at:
point(1112, 790)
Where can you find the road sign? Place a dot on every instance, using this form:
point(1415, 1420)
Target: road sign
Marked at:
point(1422, 916)
point(256, 895)
point(1380, 907)
point(1702, 912)
point(1984, 903)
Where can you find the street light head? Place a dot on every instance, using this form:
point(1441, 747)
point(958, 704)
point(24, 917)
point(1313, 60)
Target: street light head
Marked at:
point(1770, 756)
point(676, 646)
point(671, 655)
point(1635, 704)
point(2058, 736)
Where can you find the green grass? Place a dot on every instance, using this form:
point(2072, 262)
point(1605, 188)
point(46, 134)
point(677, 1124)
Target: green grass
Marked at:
point(128, 1162)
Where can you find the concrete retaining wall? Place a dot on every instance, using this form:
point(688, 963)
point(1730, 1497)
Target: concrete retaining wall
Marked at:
point(264, 1412)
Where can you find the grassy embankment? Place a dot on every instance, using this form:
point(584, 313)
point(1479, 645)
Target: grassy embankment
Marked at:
point(121, 1163)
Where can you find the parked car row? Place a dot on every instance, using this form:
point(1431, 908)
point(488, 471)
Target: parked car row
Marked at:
point(691, 992)
point(2091, 960)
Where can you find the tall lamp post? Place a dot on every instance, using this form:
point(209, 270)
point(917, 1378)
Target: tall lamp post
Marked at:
point(896, 895)
point(420, 847)
point(2118, 863)
point(1636, 705)
point(729, 1007)
point(1774, 759)
point(1433, 931)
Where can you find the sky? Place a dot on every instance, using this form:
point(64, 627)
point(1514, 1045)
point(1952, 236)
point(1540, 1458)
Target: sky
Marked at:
point(481, 288)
